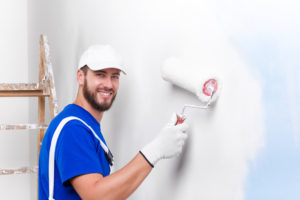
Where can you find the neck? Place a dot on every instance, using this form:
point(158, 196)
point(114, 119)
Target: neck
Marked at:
point(84, 104)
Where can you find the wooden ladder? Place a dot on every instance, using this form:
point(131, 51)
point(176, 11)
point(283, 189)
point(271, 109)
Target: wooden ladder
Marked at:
point(43, 89)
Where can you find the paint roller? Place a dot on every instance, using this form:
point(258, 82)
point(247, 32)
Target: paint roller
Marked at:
point(206, 88)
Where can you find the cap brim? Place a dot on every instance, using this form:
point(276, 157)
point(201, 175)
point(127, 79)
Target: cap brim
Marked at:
point(97, 68)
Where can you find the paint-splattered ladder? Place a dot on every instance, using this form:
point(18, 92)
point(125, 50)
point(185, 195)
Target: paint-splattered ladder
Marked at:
point(43, 89)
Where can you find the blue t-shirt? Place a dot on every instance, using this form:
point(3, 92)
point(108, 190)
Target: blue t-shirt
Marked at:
point(77, 152)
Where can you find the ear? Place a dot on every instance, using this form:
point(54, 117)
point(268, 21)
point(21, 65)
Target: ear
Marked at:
point(80, 77)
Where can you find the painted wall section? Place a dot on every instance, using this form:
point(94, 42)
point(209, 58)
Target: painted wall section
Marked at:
point(267, 36)
point(222, 141)
point(15, 146)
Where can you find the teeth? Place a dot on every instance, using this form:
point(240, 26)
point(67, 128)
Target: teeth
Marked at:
point(105, 94)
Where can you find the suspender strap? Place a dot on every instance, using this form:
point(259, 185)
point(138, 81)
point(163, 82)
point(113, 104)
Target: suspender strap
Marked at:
point(53, 146)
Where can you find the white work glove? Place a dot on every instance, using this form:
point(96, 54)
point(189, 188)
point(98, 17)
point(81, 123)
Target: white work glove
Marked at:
point(168, 143)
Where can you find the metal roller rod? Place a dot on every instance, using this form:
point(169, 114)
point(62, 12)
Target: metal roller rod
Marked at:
point(199, 107)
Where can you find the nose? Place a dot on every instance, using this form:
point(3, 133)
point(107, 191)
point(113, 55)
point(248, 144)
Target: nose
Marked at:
point(108, 83)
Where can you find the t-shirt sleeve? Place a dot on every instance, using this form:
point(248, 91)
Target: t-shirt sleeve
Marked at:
point(76, 152)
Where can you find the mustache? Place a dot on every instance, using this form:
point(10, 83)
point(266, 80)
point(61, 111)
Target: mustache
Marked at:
point(106, 89)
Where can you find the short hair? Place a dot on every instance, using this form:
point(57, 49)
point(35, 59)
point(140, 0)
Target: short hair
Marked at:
point(84, 69)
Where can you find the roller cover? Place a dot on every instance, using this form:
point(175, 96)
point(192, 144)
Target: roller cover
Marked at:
point(189, 76)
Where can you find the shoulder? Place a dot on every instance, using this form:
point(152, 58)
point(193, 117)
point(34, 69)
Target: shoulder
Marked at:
point(75, 135)
point(76, 128)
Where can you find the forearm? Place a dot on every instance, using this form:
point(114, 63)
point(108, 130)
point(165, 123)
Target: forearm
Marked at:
point(119, 185)
point(125, 181)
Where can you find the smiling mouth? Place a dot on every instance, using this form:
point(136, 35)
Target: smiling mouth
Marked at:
point(106, 93)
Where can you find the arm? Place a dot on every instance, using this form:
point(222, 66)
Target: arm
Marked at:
point(118, 185)
point(124, 182)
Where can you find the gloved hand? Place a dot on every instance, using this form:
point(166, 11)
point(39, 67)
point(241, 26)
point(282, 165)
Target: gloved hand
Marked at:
point(168, 143)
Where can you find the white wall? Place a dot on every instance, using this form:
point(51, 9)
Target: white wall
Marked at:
point(222, 141)
point(15, 146)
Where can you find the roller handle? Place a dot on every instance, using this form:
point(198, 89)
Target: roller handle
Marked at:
point(180, 119)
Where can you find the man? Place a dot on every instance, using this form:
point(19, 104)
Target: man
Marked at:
point(74, 160)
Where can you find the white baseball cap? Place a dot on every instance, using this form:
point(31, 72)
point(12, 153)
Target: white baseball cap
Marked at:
point(98, 57)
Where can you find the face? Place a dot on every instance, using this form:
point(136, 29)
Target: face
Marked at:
point(100, 88)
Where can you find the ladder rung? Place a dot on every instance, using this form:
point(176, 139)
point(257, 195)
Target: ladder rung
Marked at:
point(22, 170)
point(22, 126)
point(22, 90)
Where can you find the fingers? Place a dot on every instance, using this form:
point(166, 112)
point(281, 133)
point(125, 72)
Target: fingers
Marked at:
point(173, 120)
point(181, 140)
point(184, 127)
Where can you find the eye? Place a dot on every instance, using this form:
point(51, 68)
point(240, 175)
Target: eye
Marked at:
point(100, 75)
point(115, 77)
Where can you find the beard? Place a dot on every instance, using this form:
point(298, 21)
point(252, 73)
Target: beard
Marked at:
point(91, 98)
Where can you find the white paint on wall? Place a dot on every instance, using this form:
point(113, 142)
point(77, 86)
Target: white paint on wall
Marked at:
point(222, 141)
point(278, 23)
